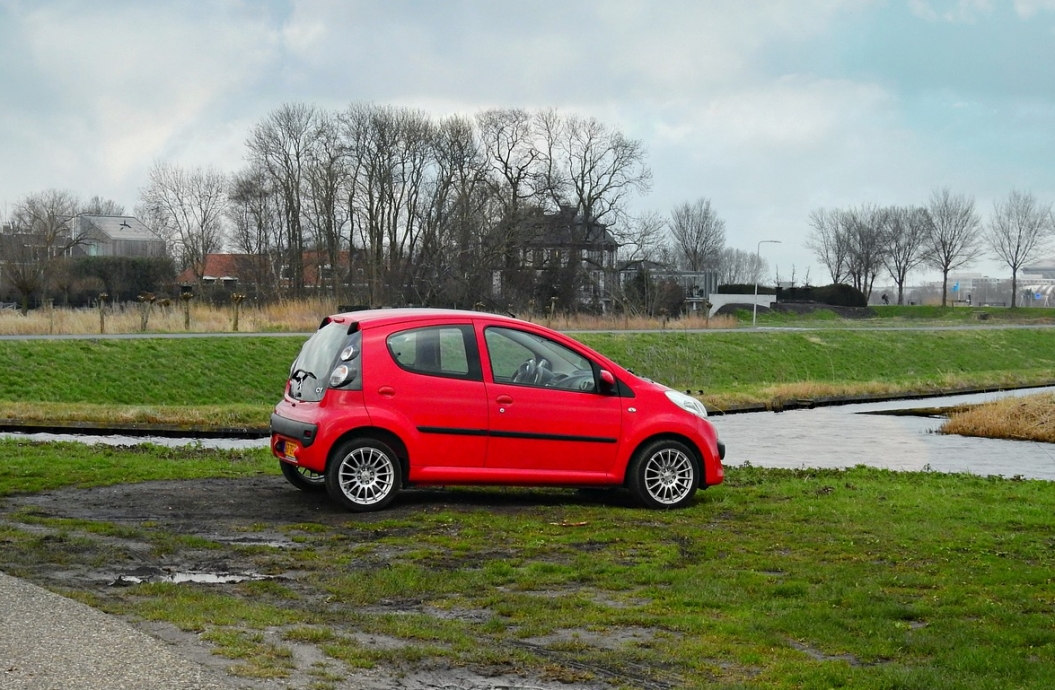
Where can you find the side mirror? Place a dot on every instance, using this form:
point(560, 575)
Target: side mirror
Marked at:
point(607, 381)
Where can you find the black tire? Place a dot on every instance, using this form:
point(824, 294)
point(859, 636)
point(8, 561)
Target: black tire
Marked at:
point(303, 479)
point(663, 474)
point(363, 474)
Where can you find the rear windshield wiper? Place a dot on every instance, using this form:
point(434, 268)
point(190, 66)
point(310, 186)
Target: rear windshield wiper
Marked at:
point(299, 376)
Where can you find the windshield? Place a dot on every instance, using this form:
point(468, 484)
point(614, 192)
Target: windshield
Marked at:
point(310, 374)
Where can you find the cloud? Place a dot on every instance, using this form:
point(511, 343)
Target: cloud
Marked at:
point(957, 12)
point(1029, 8)
point(126, 79)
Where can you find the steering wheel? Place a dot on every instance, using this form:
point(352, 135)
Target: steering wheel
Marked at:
point(526, 372)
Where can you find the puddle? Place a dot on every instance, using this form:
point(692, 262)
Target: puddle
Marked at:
point(147, 574)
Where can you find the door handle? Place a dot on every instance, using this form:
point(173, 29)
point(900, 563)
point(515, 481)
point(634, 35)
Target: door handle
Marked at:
point(386, 391)
point(504, 400)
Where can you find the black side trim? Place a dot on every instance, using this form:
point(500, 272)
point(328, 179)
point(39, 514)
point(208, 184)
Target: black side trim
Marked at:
point(553, 437)
point(452, 431)
point(303, 432)
point(514, 434)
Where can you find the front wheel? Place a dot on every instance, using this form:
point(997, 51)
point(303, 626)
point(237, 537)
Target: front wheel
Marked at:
point(663, 474)
point(303, 479)
point(363, 475)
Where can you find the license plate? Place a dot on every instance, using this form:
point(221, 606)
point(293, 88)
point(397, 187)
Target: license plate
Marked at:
point(288, 450)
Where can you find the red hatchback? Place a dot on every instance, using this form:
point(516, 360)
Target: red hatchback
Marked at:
point(390, 398)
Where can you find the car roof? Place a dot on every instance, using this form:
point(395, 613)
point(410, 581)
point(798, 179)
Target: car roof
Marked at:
point(381, 317)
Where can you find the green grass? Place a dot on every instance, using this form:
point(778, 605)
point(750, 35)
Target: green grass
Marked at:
point(728, 362)
point(777, 579)
point(150, 371)
point(31, 467)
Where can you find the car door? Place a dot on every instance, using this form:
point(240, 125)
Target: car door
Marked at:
point(547, 417)
point(425, 384)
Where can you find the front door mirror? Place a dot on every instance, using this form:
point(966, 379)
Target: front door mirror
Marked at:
point(607, 381)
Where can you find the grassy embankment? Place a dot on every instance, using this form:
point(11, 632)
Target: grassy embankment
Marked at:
point(777, 579)
point(235, 381)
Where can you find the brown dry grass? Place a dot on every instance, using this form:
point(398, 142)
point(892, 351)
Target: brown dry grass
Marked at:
point(1031, 418)
point(300, 316)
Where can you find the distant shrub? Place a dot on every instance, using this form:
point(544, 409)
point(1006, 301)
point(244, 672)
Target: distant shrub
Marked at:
point(837, 294)
point(738, 289)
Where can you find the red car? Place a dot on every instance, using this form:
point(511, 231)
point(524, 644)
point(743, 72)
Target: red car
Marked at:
point(390, 398)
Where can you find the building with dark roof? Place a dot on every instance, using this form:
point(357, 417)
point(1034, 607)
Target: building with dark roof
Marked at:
point(114, 236)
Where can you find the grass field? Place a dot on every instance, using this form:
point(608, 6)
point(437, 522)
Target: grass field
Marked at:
point(776, 579)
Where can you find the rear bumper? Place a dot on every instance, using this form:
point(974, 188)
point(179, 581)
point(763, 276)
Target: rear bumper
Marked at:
point(301, 432)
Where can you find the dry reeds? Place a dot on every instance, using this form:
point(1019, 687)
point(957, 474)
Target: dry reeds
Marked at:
point(1030, 418)
point(293, 316)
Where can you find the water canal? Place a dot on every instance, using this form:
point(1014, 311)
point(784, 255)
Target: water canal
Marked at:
point(825, 437)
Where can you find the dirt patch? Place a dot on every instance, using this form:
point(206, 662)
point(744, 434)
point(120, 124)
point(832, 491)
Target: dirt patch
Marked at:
point(243, 536)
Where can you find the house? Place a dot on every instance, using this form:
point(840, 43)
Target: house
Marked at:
point(113, 236)
point(567, 248)
point(220, 269)
point(255, 272)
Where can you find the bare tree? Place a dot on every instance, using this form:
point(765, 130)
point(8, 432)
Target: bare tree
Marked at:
point(38, 240)
point(256, 229)
point(906, 230)
point(190, 207)
point(453, 258)
point(863, 230)
point(953, 239)
point(508, 138)
point(828, 242)
point(280, 146)
point(391, 153)
point(602, 168)
point(1017, 231)
point(698, 234)
point(740, 267)
point(98, 206)
point(327, 177)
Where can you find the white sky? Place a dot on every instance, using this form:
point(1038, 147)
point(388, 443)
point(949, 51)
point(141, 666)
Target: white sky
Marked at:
point(769, 108)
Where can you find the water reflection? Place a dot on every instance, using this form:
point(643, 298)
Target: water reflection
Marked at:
point(837, 437)
point(169, 442)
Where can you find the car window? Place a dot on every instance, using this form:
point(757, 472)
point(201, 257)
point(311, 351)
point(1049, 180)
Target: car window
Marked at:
point(437, 351)
point(523, 358)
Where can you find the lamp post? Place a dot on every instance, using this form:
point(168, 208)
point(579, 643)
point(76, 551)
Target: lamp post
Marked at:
point(758, 257)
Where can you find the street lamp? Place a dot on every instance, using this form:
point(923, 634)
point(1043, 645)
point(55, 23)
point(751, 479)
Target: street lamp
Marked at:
point(758, 262)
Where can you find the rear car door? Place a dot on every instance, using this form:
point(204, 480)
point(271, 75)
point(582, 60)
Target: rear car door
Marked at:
point(425, 383)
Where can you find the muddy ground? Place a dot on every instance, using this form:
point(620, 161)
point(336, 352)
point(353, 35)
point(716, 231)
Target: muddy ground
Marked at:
point(255, 523)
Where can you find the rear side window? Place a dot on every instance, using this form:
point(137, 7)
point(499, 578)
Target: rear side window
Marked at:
point(437, 351)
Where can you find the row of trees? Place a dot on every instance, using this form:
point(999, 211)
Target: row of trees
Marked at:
point(402, 208)
point(857, 244)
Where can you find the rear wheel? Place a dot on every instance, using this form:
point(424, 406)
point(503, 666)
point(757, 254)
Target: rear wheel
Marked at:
point(363, 474)
point(303, 479)
point(663, 474)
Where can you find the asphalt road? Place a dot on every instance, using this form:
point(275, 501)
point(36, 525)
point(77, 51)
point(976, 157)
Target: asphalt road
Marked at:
point(49, 642)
